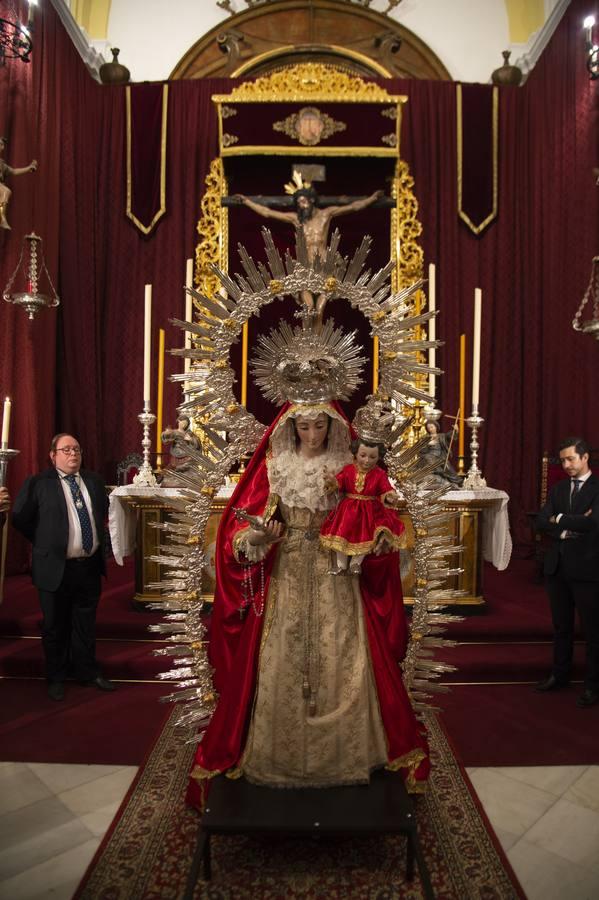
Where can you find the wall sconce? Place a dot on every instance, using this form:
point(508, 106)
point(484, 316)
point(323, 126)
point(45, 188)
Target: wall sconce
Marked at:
point(28, 275)
point(591, 48)
point(15, 36)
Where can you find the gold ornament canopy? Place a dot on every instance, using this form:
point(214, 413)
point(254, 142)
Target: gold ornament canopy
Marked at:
point(391, 302)
point(233, 432)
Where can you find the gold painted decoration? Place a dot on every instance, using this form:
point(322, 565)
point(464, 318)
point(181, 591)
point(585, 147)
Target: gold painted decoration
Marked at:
point(309, 81)
point(212, 248)
point(309, 126)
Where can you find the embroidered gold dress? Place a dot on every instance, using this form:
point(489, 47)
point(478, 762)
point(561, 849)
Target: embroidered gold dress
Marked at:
point(316, 719)
point(306, 665)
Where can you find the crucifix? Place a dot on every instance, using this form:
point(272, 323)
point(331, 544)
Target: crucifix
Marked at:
point(311, 213)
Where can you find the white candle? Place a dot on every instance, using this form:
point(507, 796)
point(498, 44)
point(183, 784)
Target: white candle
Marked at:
point(188, 308)
point(478, 303)
point(147, 342)
point(432, 332)
point(6, 422)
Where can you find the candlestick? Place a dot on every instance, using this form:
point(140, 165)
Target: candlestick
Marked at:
point(6, 422)
point(147, 342)
point(5, 456)
point(462, 415)
point(188, 308)
point(432, 330)
point(160, 396)
point(145, 476)
point(478, 302)
point(474, 480)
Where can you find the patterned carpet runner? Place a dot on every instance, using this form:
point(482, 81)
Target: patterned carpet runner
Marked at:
point(147, 853)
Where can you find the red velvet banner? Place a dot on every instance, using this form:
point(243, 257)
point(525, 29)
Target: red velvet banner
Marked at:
point(477, 137)
point(146, 110)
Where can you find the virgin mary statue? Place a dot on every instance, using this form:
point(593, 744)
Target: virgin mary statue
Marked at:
point(306, 664)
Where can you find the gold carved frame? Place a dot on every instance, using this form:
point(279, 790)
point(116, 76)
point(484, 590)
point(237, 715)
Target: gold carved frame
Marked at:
point(309, 83)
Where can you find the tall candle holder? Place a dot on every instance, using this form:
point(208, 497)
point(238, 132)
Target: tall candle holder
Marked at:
point(5, 456)
point(474, 480)
point(145, 476)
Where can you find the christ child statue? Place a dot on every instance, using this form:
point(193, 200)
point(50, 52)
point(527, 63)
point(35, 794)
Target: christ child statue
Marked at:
point(362, 522)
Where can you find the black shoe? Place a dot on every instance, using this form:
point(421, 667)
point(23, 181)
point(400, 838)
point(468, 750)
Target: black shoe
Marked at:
point(550, 684)
point(56, 690)
point(103, 684)
point(588, 698)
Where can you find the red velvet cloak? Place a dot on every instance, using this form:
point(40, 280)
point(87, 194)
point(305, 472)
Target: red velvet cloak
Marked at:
point(235, 642)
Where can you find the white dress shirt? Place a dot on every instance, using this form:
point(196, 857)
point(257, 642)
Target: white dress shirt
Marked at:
point(75, 542)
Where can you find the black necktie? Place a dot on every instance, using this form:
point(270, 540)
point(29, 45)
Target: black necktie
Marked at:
point(576, 485)
point(87, 535)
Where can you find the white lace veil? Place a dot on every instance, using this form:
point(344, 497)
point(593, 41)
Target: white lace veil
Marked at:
point(284, 436)
point(299, 481)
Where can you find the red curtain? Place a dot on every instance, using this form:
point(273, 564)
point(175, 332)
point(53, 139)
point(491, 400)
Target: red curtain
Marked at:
point(79, 368)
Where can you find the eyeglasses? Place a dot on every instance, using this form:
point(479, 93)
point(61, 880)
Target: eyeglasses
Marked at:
point(76, 450)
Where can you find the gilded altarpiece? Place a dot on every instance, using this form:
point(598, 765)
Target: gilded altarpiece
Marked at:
point(349, 130)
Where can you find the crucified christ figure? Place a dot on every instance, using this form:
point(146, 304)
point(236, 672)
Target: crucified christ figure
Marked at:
point(315, 223)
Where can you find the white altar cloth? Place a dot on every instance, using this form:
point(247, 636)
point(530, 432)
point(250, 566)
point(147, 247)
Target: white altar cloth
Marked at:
point(497, 540)
point(122, 519)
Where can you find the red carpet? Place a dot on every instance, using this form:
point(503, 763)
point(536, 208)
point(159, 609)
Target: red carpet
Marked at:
point(490, 723)
point(510, 725)
point(148, 850)
point(89, 726)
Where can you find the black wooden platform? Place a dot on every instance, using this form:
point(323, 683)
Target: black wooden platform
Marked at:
point(237, 807)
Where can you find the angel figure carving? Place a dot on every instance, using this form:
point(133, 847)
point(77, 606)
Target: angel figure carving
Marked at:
point(5, 191)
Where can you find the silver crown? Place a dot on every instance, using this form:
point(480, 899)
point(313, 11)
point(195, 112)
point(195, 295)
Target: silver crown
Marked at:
point(375, 420)
point(304, 365)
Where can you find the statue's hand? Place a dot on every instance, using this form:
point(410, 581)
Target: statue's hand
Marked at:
point(271, 533)
point(378, 194)
point(239, 198)
point(33, 165)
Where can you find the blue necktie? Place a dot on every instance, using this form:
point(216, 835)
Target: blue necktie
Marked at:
point(87, 535)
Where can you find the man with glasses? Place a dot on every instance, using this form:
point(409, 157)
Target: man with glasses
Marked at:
point(62, 511)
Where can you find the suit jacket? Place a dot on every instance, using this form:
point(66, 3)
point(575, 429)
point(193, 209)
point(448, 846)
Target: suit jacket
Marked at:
point(578, 555)
point(40, 513)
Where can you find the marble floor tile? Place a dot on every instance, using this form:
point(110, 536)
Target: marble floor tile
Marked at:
point(49, 842)
point(545, 876)
point(30, 821)
point(19, 787)
point(506, 838)
point(585, 790)
point(59, 777)
point(553, 779)
point(570, 831)
point(53, 879)
point(98, 821)
point(96, 794)
point(510, 805)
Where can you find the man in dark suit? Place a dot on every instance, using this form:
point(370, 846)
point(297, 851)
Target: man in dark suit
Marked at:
point(571, 566)
point(62, 511)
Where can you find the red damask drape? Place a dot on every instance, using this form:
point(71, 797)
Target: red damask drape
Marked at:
point(79, 367)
